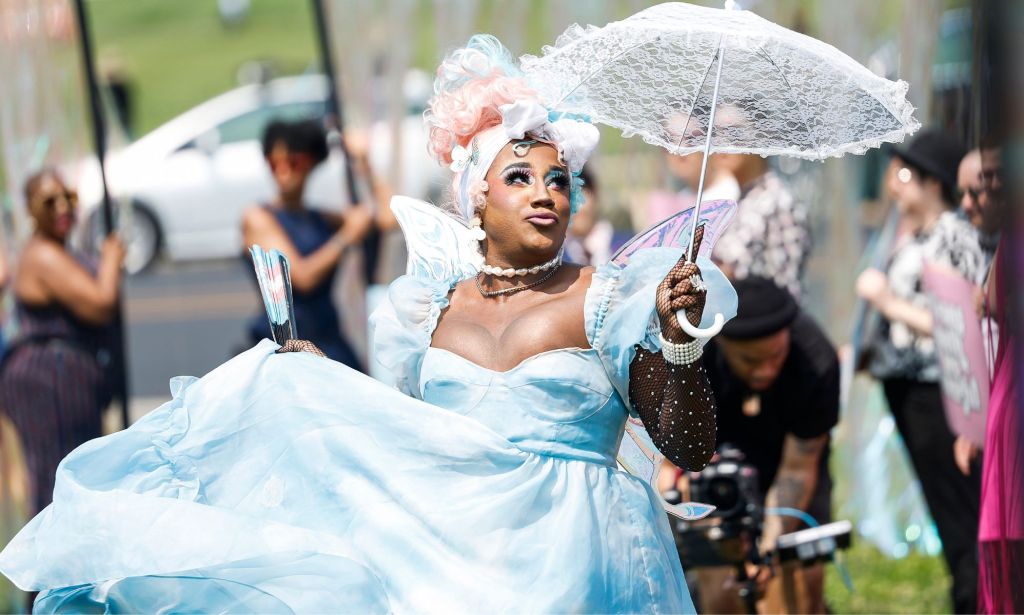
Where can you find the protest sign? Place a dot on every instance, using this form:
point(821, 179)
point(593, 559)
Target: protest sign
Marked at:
point(956, 329)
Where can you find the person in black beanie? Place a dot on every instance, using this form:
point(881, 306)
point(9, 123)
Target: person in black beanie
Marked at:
point(776, 380)
point(923, 182)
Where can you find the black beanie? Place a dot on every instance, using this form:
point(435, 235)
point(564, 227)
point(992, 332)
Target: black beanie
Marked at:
point(764, 309)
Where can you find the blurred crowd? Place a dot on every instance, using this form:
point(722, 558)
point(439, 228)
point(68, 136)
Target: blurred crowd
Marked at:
point(775, 372)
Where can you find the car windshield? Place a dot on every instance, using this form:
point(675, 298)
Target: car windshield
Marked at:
point(249, 126)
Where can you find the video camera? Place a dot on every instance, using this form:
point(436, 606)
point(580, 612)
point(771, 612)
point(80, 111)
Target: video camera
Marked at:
point(731, 486)
point(730, 535)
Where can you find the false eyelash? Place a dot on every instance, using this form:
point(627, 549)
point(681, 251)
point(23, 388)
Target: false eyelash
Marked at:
point(560, 178)
point(510, 176)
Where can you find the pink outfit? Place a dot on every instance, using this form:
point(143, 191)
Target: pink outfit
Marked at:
point(1001, 528)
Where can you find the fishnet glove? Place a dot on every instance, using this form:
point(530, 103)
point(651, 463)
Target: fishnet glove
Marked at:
point(675, 402)
point(676, 292)
point(301, 346)
point(677, 407)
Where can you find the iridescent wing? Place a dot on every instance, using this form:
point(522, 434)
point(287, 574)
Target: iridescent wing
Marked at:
point(638, 456)
point(441, 247)
point(674, 231)
point(274, 276)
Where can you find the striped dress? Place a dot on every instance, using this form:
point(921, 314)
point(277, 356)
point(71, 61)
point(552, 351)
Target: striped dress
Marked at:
point(54, 385)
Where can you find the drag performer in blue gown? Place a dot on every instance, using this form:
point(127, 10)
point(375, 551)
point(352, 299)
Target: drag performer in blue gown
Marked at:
point(287, 482)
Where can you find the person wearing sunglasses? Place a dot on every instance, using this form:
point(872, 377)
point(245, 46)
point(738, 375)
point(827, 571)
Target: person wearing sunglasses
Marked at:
point(1001, 526)
point(313, 240)
point(923, 181)
point(976, 204)
point(55, 378)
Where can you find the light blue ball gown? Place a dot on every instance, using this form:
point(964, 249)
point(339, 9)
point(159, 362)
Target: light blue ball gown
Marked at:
point(291, 483)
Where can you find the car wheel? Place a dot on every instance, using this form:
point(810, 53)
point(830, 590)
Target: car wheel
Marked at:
point(143, 239)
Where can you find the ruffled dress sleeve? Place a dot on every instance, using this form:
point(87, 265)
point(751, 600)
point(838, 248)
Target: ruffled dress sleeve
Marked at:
point(401, 327)
point(619, 310)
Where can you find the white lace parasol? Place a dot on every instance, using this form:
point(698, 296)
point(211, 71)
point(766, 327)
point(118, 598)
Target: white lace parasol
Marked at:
point(780, 92)
point(773, 91)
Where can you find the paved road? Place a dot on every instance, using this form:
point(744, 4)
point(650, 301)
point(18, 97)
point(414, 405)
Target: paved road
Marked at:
point(184, 319)
point(188, 318)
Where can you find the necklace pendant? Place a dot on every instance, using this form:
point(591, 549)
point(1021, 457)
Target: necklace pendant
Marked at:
point(752, 405)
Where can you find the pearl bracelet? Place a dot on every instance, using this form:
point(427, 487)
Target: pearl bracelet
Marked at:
point(681, 354)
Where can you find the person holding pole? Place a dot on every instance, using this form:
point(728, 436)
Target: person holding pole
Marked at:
point(313, 240)
point(55, 380)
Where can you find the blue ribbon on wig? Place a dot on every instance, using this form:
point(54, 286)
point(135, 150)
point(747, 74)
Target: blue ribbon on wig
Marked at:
point(554, 116)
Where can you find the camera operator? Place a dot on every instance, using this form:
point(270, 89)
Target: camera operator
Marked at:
point(776, 380)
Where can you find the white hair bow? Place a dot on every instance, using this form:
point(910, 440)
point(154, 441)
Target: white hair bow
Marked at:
point(575, 139)
point(461, 157)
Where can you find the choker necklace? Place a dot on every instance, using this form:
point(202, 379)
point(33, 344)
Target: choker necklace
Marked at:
point(512, 273)
point(515, 289)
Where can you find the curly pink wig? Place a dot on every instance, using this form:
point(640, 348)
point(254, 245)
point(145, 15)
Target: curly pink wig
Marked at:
point(471, 84)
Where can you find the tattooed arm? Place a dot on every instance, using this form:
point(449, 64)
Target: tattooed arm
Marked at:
point(675, 402)
point(793, 486)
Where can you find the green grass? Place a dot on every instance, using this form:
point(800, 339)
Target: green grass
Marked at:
point(178, 53)
point(915, 584)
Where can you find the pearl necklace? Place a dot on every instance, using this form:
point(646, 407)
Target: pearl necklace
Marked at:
point(515, 289)
point(512, 273)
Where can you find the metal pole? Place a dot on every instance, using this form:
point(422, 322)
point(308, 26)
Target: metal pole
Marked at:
point(335, 119)
point(707, 152)
point(371, 243)
point(99, 135)
point(99, 128)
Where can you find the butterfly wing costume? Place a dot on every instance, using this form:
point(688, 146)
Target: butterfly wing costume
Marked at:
point(291, 483)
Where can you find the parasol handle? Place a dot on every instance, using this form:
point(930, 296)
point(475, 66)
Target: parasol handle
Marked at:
point(697, 332)
point(702, 334)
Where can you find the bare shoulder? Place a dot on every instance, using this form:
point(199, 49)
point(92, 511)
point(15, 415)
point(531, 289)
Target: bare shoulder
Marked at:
point(587, 275)
point(462, 286)
point(256, 217)
point(581, 278)
point(40, 264)
point(42, 256)
point(260, 226)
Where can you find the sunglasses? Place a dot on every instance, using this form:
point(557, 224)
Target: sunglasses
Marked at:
point(989, 177)
point(50, 201)
point(291, 160)
point(971, 192)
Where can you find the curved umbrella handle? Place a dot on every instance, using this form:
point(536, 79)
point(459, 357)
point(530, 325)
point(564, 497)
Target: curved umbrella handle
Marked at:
point(703, 334)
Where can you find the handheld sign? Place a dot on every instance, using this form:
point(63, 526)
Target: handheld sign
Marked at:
point(956, 330)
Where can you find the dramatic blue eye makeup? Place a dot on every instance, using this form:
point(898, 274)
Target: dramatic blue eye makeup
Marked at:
point(557, 179)
point(522, 174)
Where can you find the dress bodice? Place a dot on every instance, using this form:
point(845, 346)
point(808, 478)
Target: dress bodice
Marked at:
point(558, 403)
point(568, 402)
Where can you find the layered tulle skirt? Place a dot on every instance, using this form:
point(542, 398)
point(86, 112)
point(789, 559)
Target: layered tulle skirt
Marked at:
point(290, 483)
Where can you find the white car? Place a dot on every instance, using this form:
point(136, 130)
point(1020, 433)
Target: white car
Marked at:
point(190, 179)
